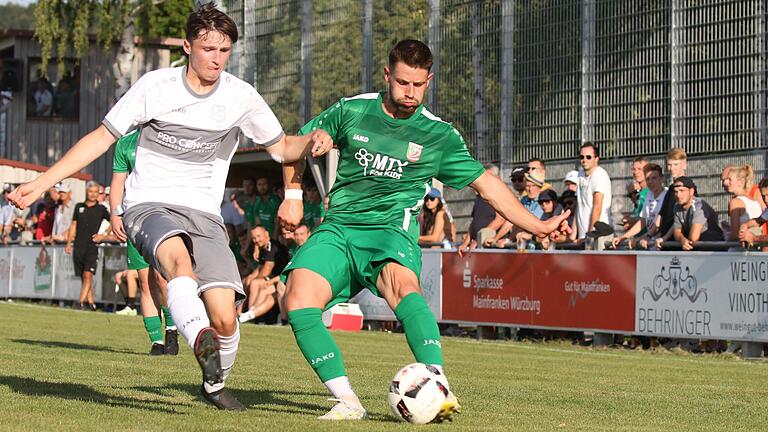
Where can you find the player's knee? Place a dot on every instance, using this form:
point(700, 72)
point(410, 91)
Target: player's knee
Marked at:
point(224, 325)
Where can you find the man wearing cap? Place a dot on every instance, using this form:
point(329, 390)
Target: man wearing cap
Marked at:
point(536, 166)
point(695, 220)
point(594, 193)
point(571, 181)
point(64, 211)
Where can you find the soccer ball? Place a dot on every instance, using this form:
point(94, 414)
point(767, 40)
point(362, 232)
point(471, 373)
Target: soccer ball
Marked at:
point(417, 393)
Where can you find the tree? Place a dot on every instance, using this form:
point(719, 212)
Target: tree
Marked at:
point(14, 16)
point(70, 24)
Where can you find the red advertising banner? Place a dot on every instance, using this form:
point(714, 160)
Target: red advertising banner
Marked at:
point(564, 290)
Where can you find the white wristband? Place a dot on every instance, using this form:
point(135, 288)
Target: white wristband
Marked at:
point(294, 194)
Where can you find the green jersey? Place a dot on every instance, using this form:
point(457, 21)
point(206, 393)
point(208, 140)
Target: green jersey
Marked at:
point(313, 212)
point(125, 153)
point(386, 165)
point(264, 211)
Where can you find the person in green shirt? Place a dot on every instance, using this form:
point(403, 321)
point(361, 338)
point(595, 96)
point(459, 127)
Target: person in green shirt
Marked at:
point(123, 162)
point(264, 207)
point(314, 210)
point(390, 149)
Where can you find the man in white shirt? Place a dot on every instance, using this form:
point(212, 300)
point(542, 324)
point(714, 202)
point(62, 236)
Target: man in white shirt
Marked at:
point(64, 210)
point(593, 193)
point(191, 119)
point(648, 217)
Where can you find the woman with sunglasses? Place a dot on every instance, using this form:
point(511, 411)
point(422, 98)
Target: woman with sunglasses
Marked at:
point(432, 220)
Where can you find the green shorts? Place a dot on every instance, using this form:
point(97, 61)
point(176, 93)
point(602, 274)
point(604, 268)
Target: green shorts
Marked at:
point(135, 260)
point(350, 258)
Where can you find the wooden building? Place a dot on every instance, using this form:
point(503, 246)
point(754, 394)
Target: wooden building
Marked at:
point(46, 116)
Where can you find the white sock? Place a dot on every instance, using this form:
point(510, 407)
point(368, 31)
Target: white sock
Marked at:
point(340, 387)
point(173, 327)
point(187, 310)
point(246, 316)
point(228, 352)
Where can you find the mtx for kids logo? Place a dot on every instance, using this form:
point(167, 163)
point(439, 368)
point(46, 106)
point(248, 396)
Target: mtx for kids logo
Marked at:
point(675, 282)
point(380, 165)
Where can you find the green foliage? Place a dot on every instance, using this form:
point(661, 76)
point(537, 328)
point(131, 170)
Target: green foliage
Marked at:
point(18, 17)
point(68, 25)
point(65, 370)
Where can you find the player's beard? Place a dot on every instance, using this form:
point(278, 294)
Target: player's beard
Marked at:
point(400, 108)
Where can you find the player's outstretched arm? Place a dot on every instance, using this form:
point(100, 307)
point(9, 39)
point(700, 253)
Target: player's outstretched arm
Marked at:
point(293, 148)
point(501, 198)
point(85, 151)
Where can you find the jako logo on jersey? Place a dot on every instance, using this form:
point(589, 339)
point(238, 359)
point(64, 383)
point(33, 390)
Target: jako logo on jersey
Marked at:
point(414, 151)
point(381, 165)
point(432, 342)
point(325, 357)
point(361, 138)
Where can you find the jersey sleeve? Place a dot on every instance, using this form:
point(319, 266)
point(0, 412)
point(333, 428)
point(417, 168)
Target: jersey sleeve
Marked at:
point(329, 120)
point(131, 110)
point(122, 149)
point(260, 124)
point(457, 167)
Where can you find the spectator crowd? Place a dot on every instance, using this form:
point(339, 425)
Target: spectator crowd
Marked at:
point(665, 207)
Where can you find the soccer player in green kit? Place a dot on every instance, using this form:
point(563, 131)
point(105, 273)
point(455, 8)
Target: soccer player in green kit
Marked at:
point(123, 161)
point(391, 147)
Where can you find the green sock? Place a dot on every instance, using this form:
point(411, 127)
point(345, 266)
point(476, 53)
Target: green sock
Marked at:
point(154, 328)
point(168, 319)
point(420, 328)
point(316, 343)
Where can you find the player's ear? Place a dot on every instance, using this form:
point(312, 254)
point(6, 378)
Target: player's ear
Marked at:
point(186, 46)
point(386, 73)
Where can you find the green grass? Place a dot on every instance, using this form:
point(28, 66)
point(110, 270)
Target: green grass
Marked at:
point(69, 370)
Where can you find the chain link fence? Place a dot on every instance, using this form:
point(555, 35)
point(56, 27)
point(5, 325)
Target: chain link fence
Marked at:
point(536, 78)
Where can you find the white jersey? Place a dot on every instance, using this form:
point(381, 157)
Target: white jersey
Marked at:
point(187, 140)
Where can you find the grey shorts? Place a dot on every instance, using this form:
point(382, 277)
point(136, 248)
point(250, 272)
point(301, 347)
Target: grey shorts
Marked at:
point(149, 224)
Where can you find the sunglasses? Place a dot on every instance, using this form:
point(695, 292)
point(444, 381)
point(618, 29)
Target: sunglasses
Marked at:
point(430, 198)
point(587, 157)
point(517, 179)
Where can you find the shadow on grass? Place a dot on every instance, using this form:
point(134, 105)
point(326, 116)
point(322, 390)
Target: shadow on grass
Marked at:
point(275, 401)
point(84, 393)
point(75, 346)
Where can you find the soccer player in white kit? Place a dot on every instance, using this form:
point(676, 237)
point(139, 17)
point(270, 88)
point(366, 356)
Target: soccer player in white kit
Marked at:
point(190, 119)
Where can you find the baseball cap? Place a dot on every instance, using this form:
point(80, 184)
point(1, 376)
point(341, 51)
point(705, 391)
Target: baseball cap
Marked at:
point(535, 178)
point(601, 229)
point(572, 176)
point(62, 187)
point(518, 172)
point(434, 193)
point(686, 182)
point(547, 195)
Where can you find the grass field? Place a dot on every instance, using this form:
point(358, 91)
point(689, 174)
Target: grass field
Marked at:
point(70, 370)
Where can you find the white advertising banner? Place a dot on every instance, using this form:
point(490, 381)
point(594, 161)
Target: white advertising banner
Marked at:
point(703, 296)
point(32, 272)
point(66, 284)
point(6, 260)
point(375, 308)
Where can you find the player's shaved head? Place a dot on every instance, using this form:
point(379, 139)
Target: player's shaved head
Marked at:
point(411, 52)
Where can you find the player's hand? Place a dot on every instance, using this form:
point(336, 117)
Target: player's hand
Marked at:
point(68, 249)
point(290, 214)
point(320, 142)
point(557, 226)
point(117, 227)
point(26, 194)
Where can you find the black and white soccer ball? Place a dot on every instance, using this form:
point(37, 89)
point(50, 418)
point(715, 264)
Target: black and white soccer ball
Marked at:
point(417, 393)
